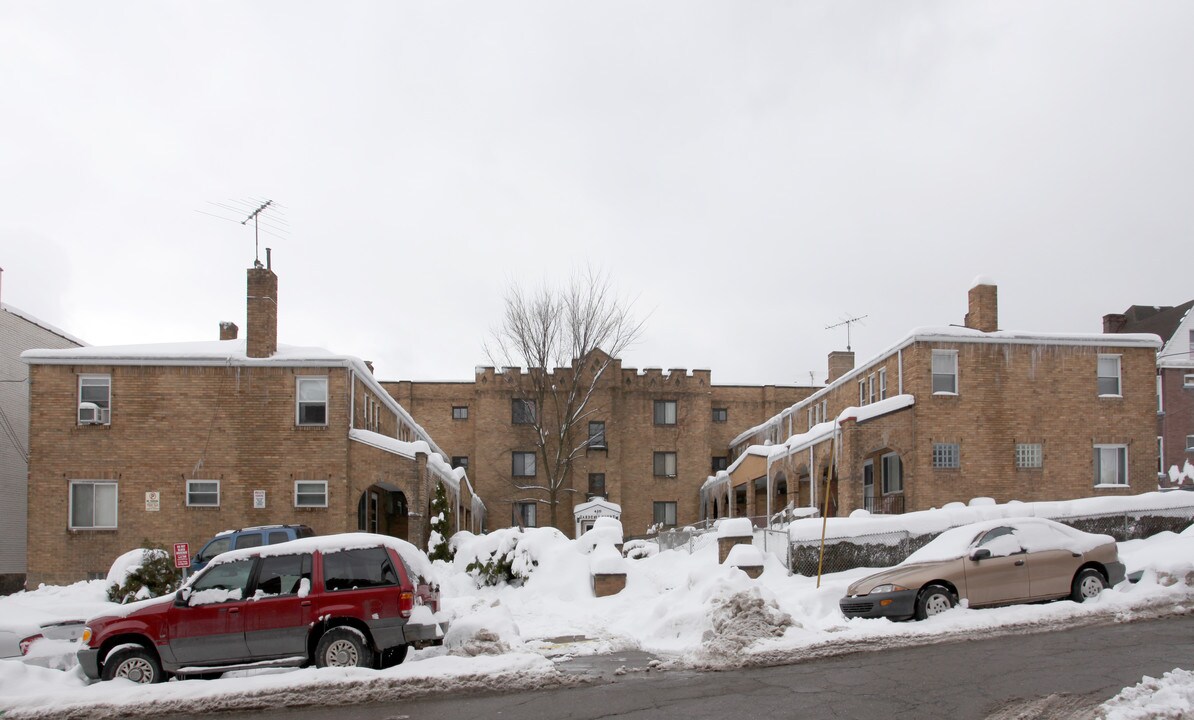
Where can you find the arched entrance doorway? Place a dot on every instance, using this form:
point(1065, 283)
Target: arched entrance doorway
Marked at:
point(383, 509)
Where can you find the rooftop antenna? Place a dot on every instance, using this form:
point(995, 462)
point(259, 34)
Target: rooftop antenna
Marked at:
point(257, 231)
point(263, 223)
point(847, 322)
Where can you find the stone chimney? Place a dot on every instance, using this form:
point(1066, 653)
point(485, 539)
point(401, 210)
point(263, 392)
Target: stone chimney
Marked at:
point(261, 333)
point(984, 307)
point(840, 363)
point(1114, 322)
point(228, 330)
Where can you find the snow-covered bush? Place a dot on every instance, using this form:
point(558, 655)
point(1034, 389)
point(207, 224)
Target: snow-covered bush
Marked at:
point(143, 573)
point(438, 547)
point(505, 556)
point(639, 549)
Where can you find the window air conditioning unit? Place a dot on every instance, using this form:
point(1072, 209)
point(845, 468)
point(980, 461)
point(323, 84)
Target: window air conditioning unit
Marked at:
point(90, 414)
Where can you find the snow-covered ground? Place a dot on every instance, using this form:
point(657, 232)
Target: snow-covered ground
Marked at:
point(684, 608)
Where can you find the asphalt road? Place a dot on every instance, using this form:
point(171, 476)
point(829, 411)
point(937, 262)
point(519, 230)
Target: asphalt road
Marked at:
point(1042, 675)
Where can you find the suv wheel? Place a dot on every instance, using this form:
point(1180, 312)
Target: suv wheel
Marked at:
point(343, 647)
point(136, 664)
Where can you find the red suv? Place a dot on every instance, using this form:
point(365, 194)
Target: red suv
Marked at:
point(352, 600)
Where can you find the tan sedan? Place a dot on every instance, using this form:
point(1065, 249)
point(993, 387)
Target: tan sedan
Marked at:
point(997, 562)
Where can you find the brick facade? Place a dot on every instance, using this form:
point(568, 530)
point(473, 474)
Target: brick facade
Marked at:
point(208, 411)
point(1009, 389)
point(625, 402)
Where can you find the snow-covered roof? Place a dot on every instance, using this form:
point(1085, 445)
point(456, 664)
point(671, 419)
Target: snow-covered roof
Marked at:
point(816, 434)
point(17, 312)
point(959, 334)
point(596, 504)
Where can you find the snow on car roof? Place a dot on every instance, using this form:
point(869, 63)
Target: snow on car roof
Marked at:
point(332, 543)
point(1033, 533)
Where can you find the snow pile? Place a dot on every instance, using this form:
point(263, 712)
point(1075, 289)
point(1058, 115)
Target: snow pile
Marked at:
point(1170, 697)
point(735, 528)
point(741, 620)
point(485, 631)
point(745, 556)
point(639, 549)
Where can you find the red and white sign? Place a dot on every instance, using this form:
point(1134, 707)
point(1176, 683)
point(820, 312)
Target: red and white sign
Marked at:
point(182, 555)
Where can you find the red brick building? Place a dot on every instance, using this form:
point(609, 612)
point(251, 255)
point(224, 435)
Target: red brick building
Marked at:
point(948, 414)
point(173, 443)
point(1175, 383)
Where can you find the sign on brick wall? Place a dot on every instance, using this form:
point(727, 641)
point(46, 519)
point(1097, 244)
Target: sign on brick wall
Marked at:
point(153, 501)
point(258, 499)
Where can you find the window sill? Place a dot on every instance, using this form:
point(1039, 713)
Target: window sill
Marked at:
point(1112, 397)
point(94, 530)
point(1109, 486)
point(310, 427)
point(945, 394)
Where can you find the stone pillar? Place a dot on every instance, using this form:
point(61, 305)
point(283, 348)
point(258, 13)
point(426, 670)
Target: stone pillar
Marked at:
point(261, 333)
point(983, 313)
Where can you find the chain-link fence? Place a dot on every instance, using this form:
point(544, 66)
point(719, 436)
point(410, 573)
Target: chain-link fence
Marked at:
point(887, 549)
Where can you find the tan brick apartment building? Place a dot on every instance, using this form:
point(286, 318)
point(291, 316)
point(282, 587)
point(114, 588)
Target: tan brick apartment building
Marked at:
point(173, 443)
point(662, 433)
point(1175, 383)
point(953, 413)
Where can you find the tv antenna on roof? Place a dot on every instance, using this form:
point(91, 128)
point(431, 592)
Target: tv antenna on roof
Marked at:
point(847, 322)
point(257, 231)
point(271, 224)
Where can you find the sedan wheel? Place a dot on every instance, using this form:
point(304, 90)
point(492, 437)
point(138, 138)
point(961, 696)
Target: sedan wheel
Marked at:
point(1087, 584)
point(933, 600)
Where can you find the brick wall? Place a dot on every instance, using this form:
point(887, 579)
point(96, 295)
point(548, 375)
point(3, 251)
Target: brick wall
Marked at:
point(170, 424)
point(625, 402)
point(1178, 420)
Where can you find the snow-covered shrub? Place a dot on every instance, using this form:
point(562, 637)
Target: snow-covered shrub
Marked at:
point(505, 556)
point(438, 547)
point(639, 549)
point(606, 531)
point(143, 573)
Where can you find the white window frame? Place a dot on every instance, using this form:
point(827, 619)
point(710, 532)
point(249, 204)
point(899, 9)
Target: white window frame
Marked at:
point(666, 454)
point(1160, 456)
point(1030, 456)
point(952, 355)
point(299, 402)
point(889, 487)
point(303, 488)
point(1188, 380)
point(1119, 384)
point(861, 392)
point(824, 409)
point(527, 471)
point(1190, 443)
point(1160, 396)
point(94, 484)
point(1100, 451)
point(947, 456)
point(882, 383)
point(105, 409)
point(192, 484)
point(872, 388)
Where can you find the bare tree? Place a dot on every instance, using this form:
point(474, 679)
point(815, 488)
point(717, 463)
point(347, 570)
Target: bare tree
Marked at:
point(566, 338)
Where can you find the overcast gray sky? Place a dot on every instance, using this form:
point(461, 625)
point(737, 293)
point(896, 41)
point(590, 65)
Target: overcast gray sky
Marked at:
point(746, 172)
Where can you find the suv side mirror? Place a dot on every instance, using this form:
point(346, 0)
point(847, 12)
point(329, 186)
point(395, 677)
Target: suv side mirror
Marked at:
point(980, 554)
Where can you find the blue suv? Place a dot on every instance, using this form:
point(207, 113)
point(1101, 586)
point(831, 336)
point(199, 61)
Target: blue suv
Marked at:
point(247, 538)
